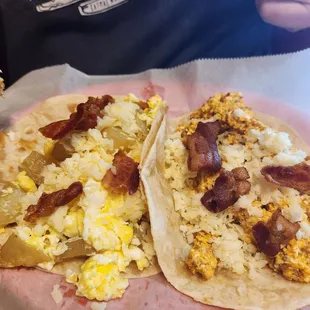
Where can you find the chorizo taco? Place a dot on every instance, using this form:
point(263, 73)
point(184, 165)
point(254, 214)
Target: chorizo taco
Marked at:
point(229, 207)
point(71, 198)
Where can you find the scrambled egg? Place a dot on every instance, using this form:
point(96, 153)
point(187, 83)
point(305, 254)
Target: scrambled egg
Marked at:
point(248, 143)
point(43, 238)
point(138, 256)
point(122, 230)
point(57, 220)
point(113, 202)
point(48, 148)
point(201, 258)
point(132, 98)
point(73, 223)
point(231, 109)
point(25, 183)
point(205, 182)
point(104, 220)
point(2, 86)
point(144, 239)
point(305, 204)
point(100, 276)
point(102, 229)
point(293, 262)
point(187, 128)
point(154, 103)
point(142, 263)
point(234, 138)
point(246, 221)
point(107, 232)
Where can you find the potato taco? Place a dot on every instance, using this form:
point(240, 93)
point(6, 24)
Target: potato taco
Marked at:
point(229, 207)
point(71, 200)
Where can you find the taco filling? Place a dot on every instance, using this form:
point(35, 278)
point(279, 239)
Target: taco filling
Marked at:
point(242, 191)
point(2, 86)
point(75, 196)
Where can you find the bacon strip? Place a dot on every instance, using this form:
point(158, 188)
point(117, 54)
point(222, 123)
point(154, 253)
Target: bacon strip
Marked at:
point(83, 119)
point(228, 188)
point(297, 177)
point(126, 178)
point(240, 173)
point(48, 203)
point(203, 152)
point(59, 129)
point(278, 231)
point(217, 127)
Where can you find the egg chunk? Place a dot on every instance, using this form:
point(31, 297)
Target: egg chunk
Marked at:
point(73, 223)
point(102, 228)
point(154, 103)
point(106, 232)
point(100, 277)
point(25, 182)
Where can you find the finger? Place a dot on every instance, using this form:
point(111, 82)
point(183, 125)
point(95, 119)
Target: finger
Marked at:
point(287, 14)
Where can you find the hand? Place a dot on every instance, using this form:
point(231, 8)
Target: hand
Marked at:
point(293, 15)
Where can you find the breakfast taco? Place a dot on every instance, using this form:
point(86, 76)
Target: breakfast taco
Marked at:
point(71, 200)
point(229, 207)
point(1, 86)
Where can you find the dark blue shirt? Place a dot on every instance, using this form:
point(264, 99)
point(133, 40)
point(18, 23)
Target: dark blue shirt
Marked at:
point(119, 37)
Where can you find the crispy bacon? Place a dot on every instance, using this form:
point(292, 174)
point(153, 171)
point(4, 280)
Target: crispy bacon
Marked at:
point(297, 177)
point(126, 177)
point(242, 187)
point(203, 152)
point(59, 129)
point(83, 119)
point(263, 240)
point(142, 104)
point(228, 188)
point(217, 127)
point(48, 203)
point(240, 173)
point(277, 232)
point(102, 102)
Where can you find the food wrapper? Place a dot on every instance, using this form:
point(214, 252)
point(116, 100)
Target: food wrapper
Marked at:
point(275, 85)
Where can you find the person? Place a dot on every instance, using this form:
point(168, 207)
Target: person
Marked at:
point(128, 36)
point(293, 15)
point(292, 19)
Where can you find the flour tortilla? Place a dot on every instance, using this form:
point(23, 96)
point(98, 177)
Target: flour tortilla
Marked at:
point(26, 135)
point(267, 291)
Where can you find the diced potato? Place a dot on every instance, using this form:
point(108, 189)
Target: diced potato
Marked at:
point(34, 165)
point(16, 253)
point(62, 149)
point(144, 130)
point(9, 205)
point(76, 248)
point(120, 138)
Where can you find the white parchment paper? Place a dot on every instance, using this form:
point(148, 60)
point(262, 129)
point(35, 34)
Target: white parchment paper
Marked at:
point(285, 78)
